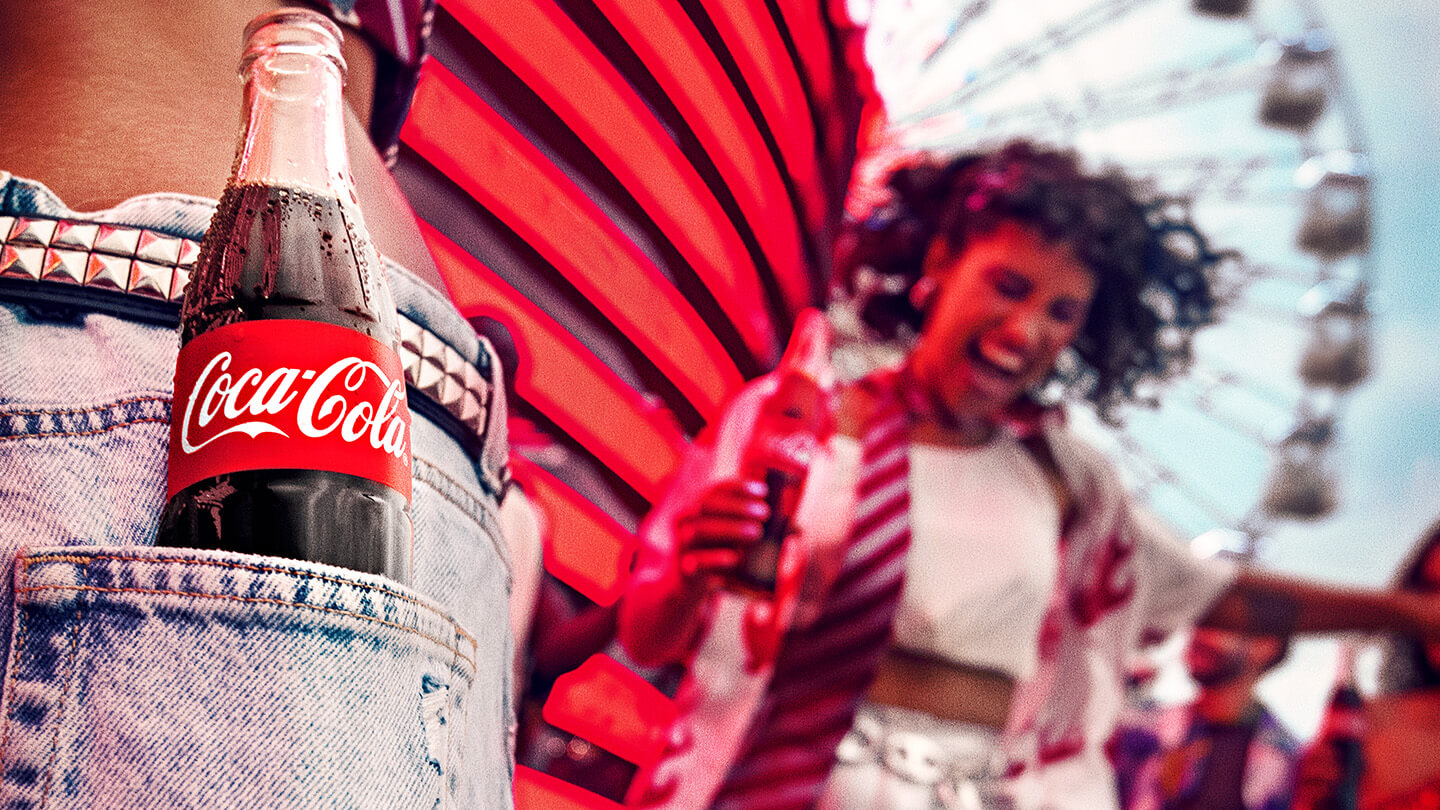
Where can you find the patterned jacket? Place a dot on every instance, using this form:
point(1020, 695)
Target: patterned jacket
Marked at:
point(1161, 753)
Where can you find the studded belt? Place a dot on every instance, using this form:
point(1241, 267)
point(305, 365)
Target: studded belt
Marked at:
point(142, 273)
point(956, 770)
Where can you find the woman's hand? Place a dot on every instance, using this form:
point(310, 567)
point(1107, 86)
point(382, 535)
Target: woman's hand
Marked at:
point(713, 540)
point(694, 546)
point(713, 537)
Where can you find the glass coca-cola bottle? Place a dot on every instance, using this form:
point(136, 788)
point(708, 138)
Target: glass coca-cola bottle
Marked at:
point(290, 433)
point(794, 422)
point(1330, 769)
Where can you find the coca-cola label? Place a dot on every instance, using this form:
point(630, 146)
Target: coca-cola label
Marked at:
point(792, 450)
point(286, 394)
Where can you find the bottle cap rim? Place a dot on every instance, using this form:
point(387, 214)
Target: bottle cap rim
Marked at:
point(296, 30)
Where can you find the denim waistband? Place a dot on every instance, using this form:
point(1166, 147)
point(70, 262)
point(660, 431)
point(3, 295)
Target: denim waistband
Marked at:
point(134, 260)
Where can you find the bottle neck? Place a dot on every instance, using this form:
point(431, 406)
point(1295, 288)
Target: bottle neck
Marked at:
point(294, 127)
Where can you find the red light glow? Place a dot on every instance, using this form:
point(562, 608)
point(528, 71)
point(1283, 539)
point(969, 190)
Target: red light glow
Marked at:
point(535, 790)
point(587, 549)
point(613, 708)
point(581, 86)
point(753, 39)
point(459, 134)
point(562, 378)
point(693, 79)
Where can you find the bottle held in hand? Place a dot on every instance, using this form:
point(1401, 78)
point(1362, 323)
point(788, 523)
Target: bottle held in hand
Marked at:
point(794, 422)
point(290, 432)
point(1332, 765)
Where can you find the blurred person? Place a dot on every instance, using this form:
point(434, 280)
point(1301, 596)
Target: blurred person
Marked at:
point(522, 523)
point(121, 122)
point(1320, 779)
point(1222, 751)
point(568, 628)
point(979, 577)
point(1401, 749)
point(555, 628)
point(1143, 673)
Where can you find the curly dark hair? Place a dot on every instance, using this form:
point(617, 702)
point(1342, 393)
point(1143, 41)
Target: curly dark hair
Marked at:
point(1150, 264)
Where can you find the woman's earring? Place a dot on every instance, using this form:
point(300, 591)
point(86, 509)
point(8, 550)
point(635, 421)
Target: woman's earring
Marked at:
point(922, 291)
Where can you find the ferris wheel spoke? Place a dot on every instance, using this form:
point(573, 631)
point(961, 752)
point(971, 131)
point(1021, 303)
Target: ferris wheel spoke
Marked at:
point(1158, 93)
point(963, 18)
point(1207, 404)
point(1023, 56)
point(1211, 378)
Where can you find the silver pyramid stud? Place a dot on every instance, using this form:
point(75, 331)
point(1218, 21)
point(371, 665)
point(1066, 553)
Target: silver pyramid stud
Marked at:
point(75, 235)
point(177, 285)
point(22, 262)
point(32, 232)
point(189, 252)
point(65, 266)
point(410, 361)
point(471, 412)
point(150, 280)
point(117, 240)
point(428, 375)
point(158, 248)
point(108, 272)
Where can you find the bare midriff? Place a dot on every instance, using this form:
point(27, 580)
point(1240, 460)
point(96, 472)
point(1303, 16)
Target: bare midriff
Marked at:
point(943, 689)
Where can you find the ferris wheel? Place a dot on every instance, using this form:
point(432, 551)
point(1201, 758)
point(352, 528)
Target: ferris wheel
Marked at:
point(1239, 116)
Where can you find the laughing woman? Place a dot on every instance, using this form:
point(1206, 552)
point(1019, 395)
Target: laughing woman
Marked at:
point(994, 574)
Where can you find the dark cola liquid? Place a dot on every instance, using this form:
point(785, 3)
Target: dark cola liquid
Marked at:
point(287, 253)
point(277, 252)
point(760, 567)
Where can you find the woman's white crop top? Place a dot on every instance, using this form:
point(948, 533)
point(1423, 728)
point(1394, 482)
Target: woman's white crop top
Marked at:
point(983, 556)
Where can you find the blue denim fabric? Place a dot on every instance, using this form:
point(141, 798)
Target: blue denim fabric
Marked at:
point(303, 672)
point(282, 683)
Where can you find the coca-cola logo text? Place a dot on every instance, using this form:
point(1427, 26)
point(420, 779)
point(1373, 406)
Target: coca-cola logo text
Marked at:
point(323, 408)
point(284, 394)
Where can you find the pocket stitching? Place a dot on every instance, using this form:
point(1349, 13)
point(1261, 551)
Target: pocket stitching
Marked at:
point(256, 600)
point(116, 411)
point(20, 637)
point(74, 433)
point(263, 569)
point(64, 696)
point(117, 403)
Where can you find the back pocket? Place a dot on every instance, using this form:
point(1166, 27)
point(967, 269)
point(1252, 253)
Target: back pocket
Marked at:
point(169, 678)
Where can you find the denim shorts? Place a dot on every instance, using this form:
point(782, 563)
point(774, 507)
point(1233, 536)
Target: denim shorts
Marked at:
point(156, 677)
